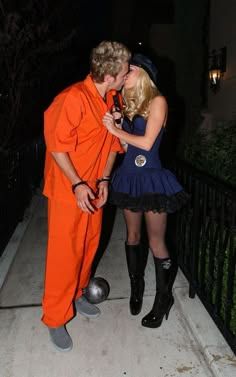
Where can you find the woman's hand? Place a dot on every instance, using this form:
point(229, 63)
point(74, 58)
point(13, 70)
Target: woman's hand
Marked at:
point(109, 123)
point(117, 116)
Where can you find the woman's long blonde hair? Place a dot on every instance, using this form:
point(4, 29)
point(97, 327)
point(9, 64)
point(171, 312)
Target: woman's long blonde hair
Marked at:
point(138, 99)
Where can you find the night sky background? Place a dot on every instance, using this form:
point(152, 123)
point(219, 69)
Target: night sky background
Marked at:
point(52, 41)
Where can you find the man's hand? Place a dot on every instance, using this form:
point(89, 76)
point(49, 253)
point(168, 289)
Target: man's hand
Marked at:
point(102, 194)
point(84, 195)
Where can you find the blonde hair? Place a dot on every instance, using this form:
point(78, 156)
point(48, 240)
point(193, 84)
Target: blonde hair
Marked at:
point(138, 99)
point(107, 59)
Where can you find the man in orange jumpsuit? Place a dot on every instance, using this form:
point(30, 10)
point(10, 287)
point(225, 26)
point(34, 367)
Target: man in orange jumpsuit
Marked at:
point(79, 158)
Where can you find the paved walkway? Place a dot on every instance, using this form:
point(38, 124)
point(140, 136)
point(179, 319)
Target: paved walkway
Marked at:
point(115, 344)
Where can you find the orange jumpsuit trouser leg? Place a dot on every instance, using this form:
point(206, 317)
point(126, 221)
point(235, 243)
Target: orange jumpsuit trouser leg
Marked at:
point(91, 246)
point(73, 237)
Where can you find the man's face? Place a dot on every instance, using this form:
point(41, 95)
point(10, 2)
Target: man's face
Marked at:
point(120, 78)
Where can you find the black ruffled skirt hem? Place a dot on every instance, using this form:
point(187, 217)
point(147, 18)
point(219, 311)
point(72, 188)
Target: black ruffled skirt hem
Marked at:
point(150, 202)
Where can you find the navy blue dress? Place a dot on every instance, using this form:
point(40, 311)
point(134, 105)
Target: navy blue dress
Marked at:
point(140, 183)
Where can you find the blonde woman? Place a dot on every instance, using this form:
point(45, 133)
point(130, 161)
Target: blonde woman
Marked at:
point(140, 186)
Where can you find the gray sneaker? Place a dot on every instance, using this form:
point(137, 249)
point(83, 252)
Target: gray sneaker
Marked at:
point(86, 309)
point(60, 338)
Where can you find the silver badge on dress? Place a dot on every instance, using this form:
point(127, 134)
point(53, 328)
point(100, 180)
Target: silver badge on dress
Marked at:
point(140, 160)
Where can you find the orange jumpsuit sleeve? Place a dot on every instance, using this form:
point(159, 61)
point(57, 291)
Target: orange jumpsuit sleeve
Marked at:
point(61, 120)
point(116, 145)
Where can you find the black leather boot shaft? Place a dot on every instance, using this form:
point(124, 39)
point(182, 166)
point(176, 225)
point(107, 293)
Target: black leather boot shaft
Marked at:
point(164, 298)
point(136, 256)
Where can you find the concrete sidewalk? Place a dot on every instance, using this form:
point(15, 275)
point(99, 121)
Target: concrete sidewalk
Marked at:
point(115, 344)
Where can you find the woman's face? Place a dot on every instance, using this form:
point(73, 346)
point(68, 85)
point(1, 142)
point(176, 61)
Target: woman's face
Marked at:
point(132, 77)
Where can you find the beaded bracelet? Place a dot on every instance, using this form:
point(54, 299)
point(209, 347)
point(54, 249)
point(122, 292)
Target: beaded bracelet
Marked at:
point(73, 187)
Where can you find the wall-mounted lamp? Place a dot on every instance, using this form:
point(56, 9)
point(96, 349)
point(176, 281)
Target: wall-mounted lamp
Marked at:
point(217, 67)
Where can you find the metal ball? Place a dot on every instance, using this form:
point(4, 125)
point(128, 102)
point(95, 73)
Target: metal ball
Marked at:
point(97, 290)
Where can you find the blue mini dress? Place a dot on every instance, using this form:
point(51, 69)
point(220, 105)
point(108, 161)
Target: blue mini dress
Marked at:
point(140, 183)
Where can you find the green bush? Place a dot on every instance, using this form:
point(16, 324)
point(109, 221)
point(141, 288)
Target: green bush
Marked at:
point(213, 152)
point(214, 260)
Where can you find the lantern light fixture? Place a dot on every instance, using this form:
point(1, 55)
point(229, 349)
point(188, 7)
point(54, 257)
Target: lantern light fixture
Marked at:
point(216, 68)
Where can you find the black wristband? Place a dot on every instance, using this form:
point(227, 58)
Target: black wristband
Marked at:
point(105, 179)
point(73, 187)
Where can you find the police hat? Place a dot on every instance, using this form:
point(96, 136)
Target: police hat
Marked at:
point(144, 62)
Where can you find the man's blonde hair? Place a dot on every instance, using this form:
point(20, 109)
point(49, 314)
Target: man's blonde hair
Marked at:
point(107, 59)
point(138, 99)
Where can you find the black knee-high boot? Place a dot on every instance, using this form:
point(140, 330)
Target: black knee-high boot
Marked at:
point(136, 256)
point(164, 298)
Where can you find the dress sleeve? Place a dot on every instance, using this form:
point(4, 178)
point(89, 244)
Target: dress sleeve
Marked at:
point(61, 120)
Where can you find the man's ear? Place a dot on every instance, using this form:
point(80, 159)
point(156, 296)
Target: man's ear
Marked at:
point(109, 79)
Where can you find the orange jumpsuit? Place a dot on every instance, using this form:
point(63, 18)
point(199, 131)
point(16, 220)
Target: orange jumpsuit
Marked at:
point(73, 124)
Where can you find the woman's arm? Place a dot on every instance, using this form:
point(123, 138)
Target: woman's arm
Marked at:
point(157, 118)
